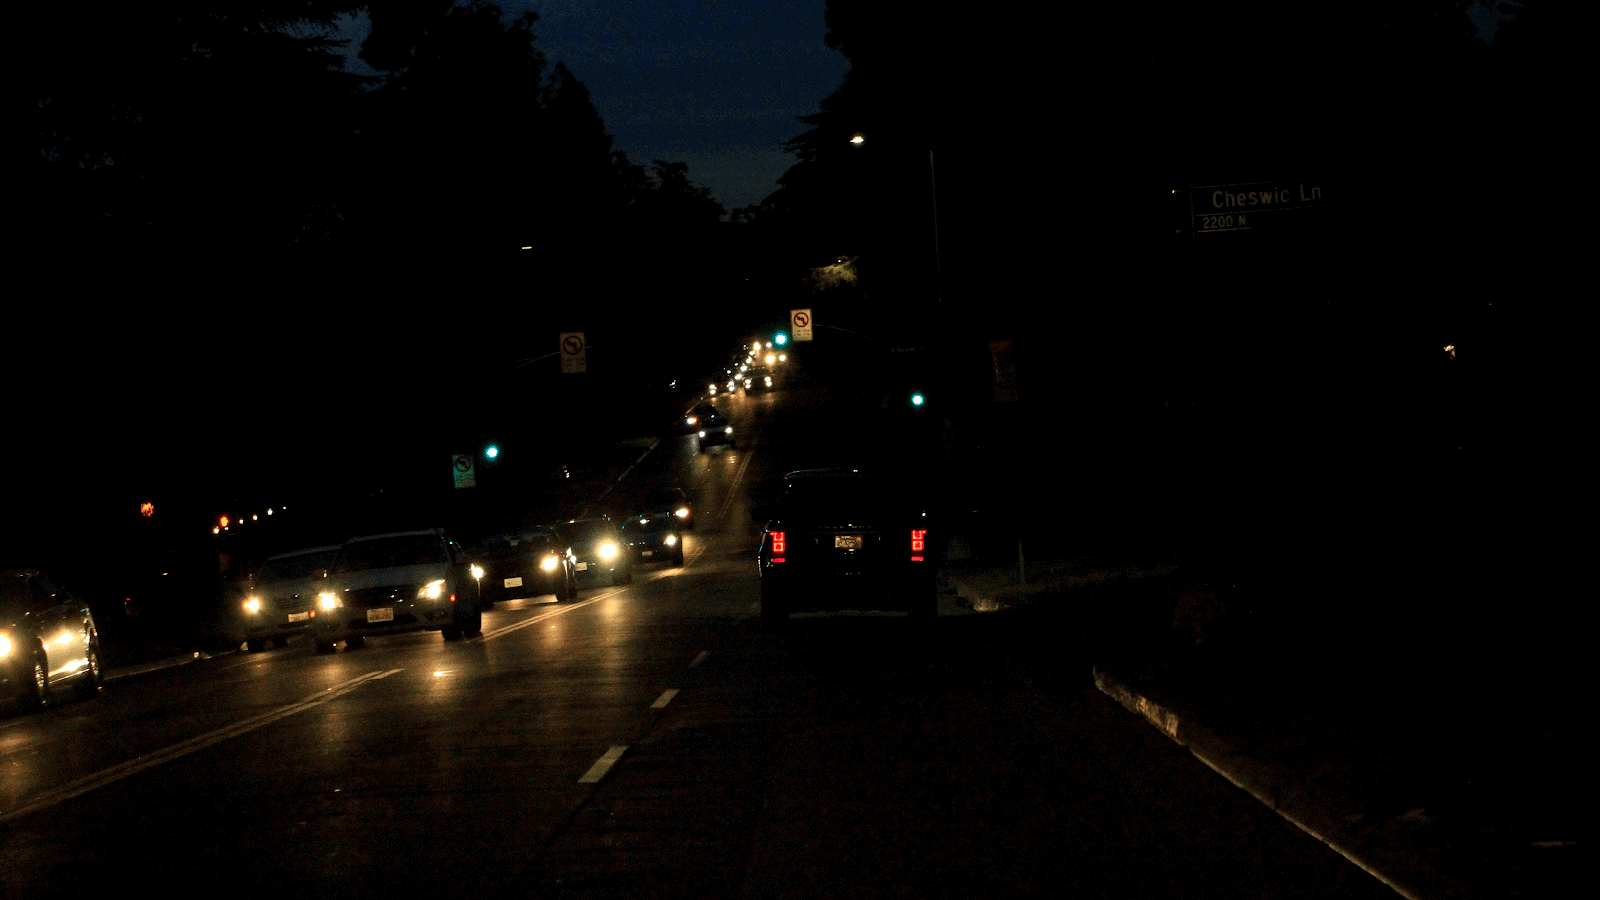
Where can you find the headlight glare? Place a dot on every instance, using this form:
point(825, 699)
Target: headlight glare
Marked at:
point(252, 605)
point(477, 571)
point(431, 591)
point(550, 563)
point(608, 550)
point(328, 601)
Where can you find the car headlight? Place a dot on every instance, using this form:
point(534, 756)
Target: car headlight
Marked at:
point(550, 563)
point(682, 513)
point(477, 571)
point(729, 429)
point(608, 550)
point(431, 591)
point(5, 644)
point(702, 434)
point(252, 605)
point(672, 539)
point(329, 601)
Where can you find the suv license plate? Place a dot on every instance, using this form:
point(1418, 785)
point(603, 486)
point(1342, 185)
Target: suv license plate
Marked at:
point(648, 553)
point(299, 617)
point(386, 614)
point(514, 582)
point(847, 542)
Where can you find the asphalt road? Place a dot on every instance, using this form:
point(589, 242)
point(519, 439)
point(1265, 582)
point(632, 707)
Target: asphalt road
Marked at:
point(646, 741)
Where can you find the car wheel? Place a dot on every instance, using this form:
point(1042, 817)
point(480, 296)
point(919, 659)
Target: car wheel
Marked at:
point(89, 687)
point(35, 694)
point(564, 592)
point(677, 558)
point(488, 604)
point(255, 645)
point(472, 623)
point(324, 646)
point(774, 607)
point(355, 642)
point(280, 642)
point(451, 633)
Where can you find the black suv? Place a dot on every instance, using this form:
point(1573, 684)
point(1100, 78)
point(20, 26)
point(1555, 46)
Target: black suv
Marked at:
point(527, 564)
point(48, 640)
point(846, 539)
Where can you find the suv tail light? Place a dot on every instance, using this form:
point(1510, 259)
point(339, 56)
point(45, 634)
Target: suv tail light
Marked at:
point(778, 545)
point(919, 541)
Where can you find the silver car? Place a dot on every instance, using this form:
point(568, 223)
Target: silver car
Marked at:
point(398, 582)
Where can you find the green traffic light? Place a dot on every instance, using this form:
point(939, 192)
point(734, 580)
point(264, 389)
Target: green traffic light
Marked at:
point(780, 339)
point(492, 452)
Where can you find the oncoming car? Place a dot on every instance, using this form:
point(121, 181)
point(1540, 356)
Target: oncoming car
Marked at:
point(845, 539)
point(653, 540)
point(527, 564)
point(715, 429)
point(48, 641)
point(600, 550)
point(395, 583)
point(283, 594)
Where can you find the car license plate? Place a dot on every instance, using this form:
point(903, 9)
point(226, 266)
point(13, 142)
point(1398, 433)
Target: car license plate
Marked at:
point(299, 617)
point(648, 553)
point(847, 542)
point(386, 614)
point(582, 566)
point(514, 582)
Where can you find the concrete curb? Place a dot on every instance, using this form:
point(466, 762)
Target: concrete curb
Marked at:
point(1406, 870)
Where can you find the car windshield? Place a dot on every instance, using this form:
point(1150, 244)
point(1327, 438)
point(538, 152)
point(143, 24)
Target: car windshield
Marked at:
point(391, 552)
point(13, 598)
point(588, 530)
point(301, 565)
point(506, 546)
point(662, 500)
point(642, 526)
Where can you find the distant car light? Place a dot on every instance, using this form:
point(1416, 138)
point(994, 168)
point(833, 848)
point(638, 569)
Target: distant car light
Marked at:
point(549, 564)
point(682, 513)
point(477, 571)
point(252, 605)
point(432, 590)
point(672, 540)
point(328, 601)
point(5, 644)
point(608, 550)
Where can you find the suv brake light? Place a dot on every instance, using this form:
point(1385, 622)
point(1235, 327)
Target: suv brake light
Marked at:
point(919, 541)
point(778, 545)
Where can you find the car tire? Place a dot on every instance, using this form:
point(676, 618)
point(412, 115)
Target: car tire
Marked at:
point(472, 623)
point(451, 633)
point(355, 642)
point(774, 607)
point(324, 646)
point(89, 687)
point(35, 695)
point(677, 558)
point(564, 592)
point(255, 645)
point(280, 642)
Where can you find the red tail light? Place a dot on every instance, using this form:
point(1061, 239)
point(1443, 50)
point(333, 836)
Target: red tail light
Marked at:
point(778, 544)
point(919, 541)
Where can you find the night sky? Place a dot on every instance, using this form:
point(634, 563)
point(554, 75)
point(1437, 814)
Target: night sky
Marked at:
point(717, 85)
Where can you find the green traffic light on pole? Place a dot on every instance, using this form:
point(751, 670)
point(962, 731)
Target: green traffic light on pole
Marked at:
point(492, 452)
point(780, 339)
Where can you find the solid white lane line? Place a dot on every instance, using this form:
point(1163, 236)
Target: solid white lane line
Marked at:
point(603, 765)
point(167, 754)
point(664, 699)
point(700, 659)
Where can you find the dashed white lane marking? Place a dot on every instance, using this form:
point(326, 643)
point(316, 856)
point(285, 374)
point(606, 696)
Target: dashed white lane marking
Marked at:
point(133, 766)
point(664, 699)
point(700, 659)
point(603, 764)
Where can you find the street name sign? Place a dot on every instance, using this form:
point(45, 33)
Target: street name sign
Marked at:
point(1263, 205)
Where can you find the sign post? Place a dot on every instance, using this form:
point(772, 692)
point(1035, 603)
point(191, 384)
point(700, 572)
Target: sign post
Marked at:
point(800, 324)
